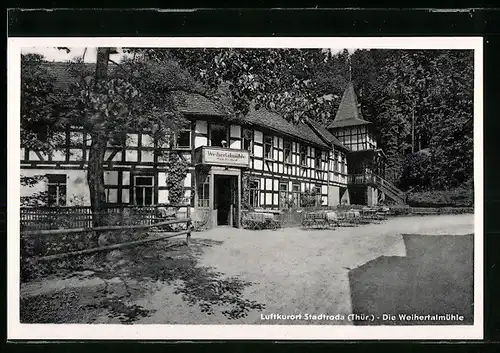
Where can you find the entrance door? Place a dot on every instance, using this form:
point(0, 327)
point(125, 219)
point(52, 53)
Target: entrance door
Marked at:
point(223, 199)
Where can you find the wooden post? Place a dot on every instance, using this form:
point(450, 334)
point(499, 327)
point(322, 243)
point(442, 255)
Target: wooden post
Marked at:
point(188, 235)
point(413, 128)
point(188, 224)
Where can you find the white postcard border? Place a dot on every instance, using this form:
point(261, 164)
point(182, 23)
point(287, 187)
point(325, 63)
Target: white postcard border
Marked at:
point(16, 330)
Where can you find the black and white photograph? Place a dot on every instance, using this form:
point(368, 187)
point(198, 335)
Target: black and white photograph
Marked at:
point(289, 188)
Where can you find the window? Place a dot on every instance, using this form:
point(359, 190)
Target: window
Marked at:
point(143, 190)
point(268, 147)
point(317, 193)
point(317, 158)
point(203, 192)
point(56, 189)
point(248, 140)
point(218, 135)
point(254, 193)
point(344, 164)
point(336, 163)
point(303, 155)
point(296, 194)
point(283, 200)
point(183, 139)
point(287, 146)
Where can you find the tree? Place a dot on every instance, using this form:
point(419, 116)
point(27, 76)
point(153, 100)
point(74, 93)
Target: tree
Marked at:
point(40, 116)
point(40, 119)
point(136, 95)
point(278, 79)
point(435, 87)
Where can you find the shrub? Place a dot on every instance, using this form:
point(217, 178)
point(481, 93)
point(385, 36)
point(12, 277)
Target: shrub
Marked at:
point(268, 223)
point(462, 196)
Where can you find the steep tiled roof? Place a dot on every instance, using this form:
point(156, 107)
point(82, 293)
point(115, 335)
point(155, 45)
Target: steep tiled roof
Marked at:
point(196, 104)
point(325, 134)
point(276, 122)
point(189, 103)
point(348, 113)
point(61, 73)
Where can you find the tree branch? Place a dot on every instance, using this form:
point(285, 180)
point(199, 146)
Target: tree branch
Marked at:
point(120, 66)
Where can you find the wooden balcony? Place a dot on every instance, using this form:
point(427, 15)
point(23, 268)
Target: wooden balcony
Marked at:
point(362, 179)
point(383, 185)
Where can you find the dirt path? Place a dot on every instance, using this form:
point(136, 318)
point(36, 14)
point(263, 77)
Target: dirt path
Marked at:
point(291, 271)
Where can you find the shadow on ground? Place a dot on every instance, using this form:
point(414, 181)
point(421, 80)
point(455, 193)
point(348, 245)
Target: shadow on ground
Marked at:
point(435, 278)
point(129, 274)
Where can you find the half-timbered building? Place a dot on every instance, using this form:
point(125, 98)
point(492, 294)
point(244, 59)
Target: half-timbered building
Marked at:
point(260, 161)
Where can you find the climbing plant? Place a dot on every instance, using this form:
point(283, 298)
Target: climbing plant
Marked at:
point(245, 195)
point(177, 171)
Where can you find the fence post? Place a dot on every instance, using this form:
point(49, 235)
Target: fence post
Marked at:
point(188, 216)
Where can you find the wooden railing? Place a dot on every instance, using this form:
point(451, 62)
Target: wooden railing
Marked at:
point(361, 178)
point(149, 239)
point(38, 218)
point(388, 188)
point(66, 240)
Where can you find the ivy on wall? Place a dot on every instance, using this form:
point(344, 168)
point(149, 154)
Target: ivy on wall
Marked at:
point(177, 171)
point(245, 191)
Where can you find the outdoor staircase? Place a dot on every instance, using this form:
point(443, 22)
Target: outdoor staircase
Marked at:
point(390, 190)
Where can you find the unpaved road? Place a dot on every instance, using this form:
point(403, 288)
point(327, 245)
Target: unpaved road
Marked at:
point(291, 271)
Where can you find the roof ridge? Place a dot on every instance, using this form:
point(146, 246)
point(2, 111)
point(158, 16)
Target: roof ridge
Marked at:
point(261, 117)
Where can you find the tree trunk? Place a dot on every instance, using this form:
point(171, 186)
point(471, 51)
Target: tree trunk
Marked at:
point(95, 176)
point(95, 172)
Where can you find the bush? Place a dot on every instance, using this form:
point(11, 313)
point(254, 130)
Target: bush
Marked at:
point(268, 223)
point(462, 197)
point(400, 210)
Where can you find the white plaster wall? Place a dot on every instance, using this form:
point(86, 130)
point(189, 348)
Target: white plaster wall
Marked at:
point(187, 180)
point(258, 151)
point(333, 195)
point(258, 136)
point(125, 178)
point(162, 179)
point(269, 198)
point(111, 177)
point(236, 144)
point(131, 156)
point(75, 154)
point(147, 156)
point(132, 140)
point(200, 141)
point(112, 195)
point(77, 191)
point(235, 131)
point(162, 196)
point(201, 127)
point(147, 141)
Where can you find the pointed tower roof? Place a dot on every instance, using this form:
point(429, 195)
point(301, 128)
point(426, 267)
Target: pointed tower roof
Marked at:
point(348, 113)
